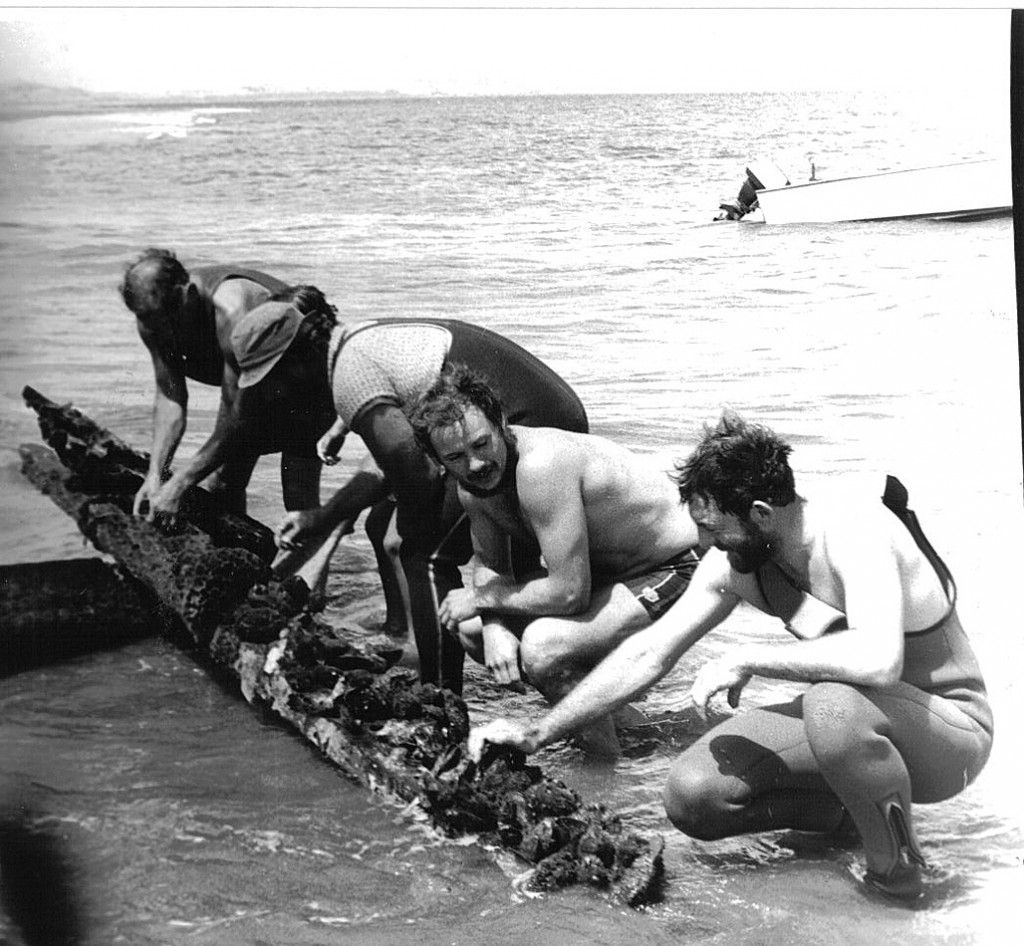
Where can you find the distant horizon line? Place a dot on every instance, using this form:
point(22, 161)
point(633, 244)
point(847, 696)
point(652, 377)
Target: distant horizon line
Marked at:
point(29, 92)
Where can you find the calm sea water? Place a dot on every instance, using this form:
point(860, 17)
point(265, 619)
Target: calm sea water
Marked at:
point(581, 227)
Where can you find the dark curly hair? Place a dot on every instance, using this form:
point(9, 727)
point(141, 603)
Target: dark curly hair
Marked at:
point(446, 401)
point(735, 464)
point(314, 335)
point(150, 282)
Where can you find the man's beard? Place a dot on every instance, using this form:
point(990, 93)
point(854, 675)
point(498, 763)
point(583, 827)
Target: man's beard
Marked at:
point(754, 552)
point(508, 476)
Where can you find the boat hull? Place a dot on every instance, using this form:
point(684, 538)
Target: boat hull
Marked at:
point(965, 191)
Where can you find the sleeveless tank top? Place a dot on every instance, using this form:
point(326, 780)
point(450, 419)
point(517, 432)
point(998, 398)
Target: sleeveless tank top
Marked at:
point(196, 334)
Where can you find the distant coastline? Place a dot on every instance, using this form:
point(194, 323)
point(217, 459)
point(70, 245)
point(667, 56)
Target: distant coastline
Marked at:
point(34, 100)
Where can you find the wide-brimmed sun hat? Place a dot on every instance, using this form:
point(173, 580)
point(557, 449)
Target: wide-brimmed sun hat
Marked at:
point(262, 337)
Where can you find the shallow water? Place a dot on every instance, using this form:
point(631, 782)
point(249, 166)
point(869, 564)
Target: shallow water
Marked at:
point(581, 228)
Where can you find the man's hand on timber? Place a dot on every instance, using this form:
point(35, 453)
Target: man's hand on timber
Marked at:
point(165, 503)
point(502, 732)
point(717, 676)
point(150, 487)
point(459, 605)
point(297, 528)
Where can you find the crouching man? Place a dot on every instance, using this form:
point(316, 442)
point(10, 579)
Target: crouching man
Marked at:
point(896, 710)
point(617, 547)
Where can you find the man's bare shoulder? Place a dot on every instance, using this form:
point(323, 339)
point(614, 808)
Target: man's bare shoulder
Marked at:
point(545, 451)
point(851, 506)
point(235, 297)
point(853, 525)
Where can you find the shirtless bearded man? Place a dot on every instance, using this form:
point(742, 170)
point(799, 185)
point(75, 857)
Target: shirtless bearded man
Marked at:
point(617, 546)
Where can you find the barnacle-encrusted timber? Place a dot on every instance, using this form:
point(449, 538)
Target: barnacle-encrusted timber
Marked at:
point(368, 716)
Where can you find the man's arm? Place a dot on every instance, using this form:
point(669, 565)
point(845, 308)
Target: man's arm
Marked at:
point(408, 473)
point(365, 488)
point(492, 559)
point(412, 477)
point(551, 501)
point(170, 412)
point(634, 666)
point(492, 562)
point(869, 653)
point(236, 404)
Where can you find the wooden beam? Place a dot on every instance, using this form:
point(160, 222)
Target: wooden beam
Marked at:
point(50, 611)
point(377, 723)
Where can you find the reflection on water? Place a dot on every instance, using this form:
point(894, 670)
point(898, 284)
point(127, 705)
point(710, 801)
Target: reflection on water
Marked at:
point(90, 129)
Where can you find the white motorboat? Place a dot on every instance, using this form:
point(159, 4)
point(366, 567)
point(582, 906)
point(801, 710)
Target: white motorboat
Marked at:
point(967, 190)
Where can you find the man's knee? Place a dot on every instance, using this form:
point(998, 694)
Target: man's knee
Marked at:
point(839, 724)
point(695, 802)
point(541, 653)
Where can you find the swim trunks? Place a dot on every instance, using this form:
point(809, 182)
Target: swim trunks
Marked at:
point(660, 588)
point(291, 428)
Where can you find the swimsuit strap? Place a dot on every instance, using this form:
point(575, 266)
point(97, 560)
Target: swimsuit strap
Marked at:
point(895, 500)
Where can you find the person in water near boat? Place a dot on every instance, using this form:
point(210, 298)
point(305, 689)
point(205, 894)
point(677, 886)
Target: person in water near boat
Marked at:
point(896, 710)
point(376, 370)
point(617, 546)
point(185, 319)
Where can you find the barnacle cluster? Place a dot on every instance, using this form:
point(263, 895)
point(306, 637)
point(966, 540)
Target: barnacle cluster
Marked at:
point(420, 730)
point(213, 582)
point(546, 823)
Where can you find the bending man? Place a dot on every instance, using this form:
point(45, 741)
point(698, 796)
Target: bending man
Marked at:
point(896, 710)
point(377, 370)
point(616, 544)
point(185, 319)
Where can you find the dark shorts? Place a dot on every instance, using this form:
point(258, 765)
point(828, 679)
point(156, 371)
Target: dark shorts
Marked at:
point(660, 588)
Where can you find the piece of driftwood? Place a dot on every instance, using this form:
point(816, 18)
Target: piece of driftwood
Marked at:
point(53, 610)
point(372, 719)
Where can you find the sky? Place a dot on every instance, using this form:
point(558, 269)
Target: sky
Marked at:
point(476, 50)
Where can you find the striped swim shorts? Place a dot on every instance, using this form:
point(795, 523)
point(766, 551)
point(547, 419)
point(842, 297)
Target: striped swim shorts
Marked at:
point(658, 589)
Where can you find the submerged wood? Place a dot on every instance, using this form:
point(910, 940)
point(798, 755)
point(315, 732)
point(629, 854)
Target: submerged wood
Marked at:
point(53, 610)
point(373, 720)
